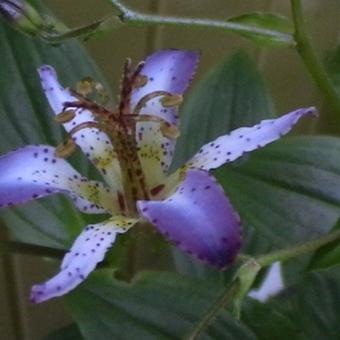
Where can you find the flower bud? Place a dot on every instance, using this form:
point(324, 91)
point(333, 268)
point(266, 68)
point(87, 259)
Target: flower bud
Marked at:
point(22, 15)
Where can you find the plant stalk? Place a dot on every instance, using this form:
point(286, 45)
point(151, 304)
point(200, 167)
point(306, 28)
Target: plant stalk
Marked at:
point(311, 60)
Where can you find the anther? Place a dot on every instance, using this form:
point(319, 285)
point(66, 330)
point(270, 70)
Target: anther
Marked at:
point(172, 100)
point(66, 149)
point(168, 130)
point(140, 81)
point(65, 116)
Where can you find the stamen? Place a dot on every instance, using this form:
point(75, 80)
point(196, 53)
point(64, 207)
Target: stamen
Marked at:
point(66, 149)
point(65, 116)
point(148, 97)
point(170, 131)
point(172, 100)
point(84, 125)
point(140, 81)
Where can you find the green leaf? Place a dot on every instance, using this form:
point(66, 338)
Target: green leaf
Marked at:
point(155, 306)
point(229, 96)
point(306, 311)
point(327, 256)
point(269, 21)
point(288, 192)
point(70, 332)
point(26, 119)
point(333, 66)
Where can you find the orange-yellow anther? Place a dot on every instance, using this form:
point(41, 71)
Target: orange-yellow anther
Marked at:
point(169, 130)
point(140, 81)
point(65, 116)
point(172, 100)
point(66, 149)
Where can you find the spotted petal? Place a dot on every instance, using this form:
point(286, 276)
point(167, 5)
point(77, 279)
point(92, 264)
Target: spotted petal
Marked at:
point(33, 171)
point(226, 149)
point(198, 218)
point(93, 142)
point(170, 71)
point(166, 70)
point(88, 250)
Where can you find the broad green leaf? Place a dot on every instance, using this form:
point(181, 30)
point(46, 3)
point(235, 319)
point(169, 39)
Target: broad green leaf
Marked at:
point(333, 66)
point(288, 192)
point(70, 332)
point(155, 306)
point(306, 311)
point(327, 256)
point(229, 96)
point(26, 118)
point(269, 21)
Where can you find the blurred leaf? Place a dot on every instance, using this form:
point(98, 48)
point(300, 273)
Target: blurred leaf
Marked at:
point(70, 332)
point(333, 66)
point(155, 306)
point(270, 21)
point(26, 119)
point(229, 96)
point(306, 311)
point(288, 192)
point(327, 256)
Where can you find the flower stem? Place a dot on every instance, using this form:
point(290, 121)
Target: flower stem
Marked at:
point(132, 17)
point(311, 60)
point(214, 310)
point(263, 261)
point(289, 253)
point(30, 249)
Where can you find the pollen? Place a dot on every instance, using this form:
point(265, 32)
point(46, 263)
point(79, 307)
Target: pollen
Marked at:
point(140, 81)
point(172, 100)
point(170, 131)
point(65, 116)
point(66, 149)
point(85, 86)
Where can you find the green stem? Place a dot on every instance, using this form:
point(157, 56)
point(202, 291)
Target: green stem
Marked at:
point(213, 311)
point(307, 53)
point(30, 249)
point(247, 280)
point(131, 17)
point(289, 253)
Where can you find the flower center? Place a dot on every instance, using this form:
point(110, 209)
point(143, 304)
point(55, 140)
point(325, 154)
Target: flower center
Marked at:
point(120, 126)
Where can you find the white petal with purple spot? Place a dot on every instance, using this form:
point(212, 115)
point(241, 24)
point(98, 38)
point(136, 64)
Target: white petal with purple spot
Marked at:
point(198, 218)
point(166, 70)
point(93, 142)
point(87, 251)
point(170, 71)
point(226, 149)
point(33, 171)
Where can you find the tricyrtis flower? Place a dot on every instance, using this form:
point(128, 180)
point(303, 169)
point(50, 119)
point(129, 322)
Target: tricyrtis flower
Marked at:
point(132, 147)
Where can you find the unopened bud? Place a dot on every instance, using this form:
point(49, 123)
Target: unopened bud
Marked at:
point(65, 116)
point(22, 15)
point(66, 149)
point(170, 131)
point(172, 100)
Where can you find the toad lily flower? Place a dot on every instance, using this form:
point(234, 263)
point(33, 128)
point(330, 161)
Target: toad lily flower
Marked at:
point(132, 148)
